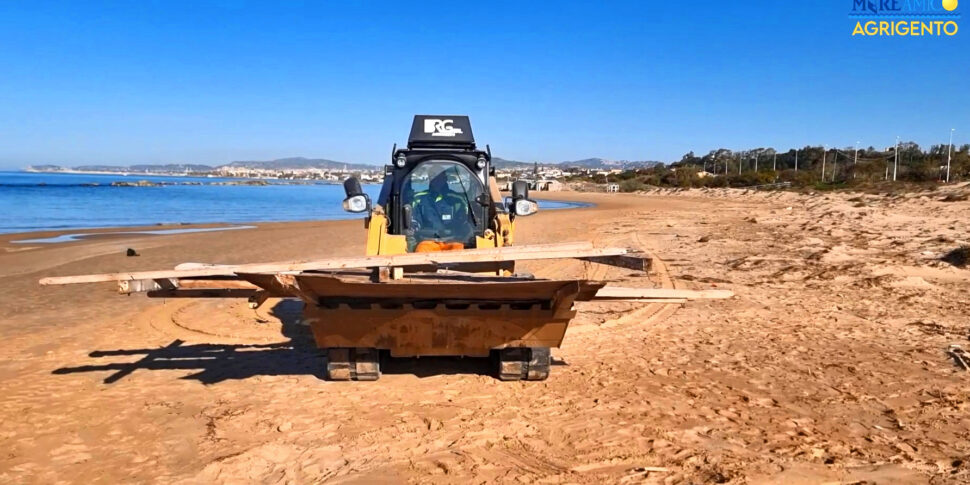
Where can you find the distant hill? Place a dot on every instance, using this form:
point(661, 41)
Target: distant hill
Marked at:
point(502, 163)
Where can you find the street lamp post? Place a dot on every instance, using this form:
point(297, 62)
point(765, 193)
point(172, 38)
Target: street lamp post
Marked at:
point(896, 159)
point(835, 164)
point(825, 149)
point(855, 161)
point(949, 152)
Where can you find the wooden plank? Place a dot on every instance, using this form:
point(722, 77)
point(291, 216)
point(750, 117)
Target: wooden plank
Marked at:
point(270, 282)
point(634, 261)
point(509, 253)
point(184, 266)
point(136, 286)
point(642, 300)
point(577, 245)
point(328, 287)
point(203, 293)
point(197, 283)
point(623, 293)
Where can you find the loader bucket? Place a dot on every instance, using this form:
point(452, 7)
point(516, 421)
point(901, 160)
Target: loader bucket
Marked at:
point(438, 315)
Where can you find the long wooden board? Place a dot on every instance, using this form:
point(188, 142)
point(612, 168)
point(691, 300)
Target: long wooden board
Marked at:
point(577, 245)
point(509, 253)
point(327, 287)
point(624, 293)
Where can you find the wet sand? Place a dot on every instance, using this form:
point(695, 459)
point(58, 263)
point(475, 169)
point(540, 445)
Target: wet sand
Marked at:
point(828, 366)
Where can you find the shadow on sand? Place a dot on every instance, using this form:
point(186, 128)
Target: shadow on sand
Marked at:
point(220, 362)
point(298, 356)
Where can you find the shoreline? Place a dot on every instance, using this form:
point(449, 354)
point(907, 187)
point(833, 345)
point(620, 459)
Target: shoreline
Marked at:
point(576, 200)
point(142, 230)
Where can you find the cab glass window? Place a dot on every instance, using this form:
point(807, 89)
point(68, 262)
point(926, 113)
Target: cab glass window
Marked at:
point(441, 197)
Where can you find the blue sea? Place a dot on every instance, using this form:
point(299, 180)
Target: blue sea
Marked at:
point(54, 201)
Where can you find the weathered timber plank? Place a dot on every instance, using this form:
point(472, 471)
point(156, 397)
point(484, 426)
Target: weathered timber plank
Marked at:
point(634, 261)
point(195, 283)
point(642, 300)
point(509, 253)
point(327, 287)
point(623, 293)
point(203, 293)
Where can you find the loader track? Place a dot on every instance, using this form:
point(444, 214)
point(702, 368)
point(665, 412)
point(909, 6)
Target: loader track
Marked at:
point(523, 363)
point(353, 364)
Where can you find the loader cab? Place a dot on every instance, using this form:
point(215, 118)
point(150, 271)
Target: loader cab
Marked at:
point(438, 191)
point(441, 203)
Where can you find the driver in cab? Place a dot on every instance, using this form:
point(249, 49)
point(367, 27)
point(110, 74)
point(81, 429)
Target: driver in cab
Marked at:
point(441, 216)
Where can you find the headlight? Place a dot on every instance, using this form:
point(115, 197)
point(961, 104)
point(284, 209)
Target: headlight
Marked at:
point(480, 163)
point(357, 203)
point(400, 161)
point(525, 207)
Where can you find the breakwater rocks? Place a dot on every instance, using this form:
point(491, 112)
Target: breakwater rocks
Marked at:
point(140, 183)
point(259, 182)
point(148, 183)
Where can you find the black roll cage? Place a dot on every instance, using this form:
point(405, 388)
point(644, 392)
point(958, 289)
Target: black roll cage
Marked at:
point(390, 196)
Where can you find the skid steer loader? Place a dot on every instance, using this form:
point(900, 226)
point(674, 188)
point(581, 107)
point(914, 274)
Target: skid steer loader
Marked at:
point(440, 194)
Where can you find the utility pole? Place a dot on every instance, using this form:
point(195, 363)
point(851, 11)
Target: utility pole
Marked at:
point(740, 162)
point(756, 155)
point(824, 149)
point(896, 160)
point(774, 163)
point(856, 160)
point(796, 159)
point(835, 164)
point(949, 152)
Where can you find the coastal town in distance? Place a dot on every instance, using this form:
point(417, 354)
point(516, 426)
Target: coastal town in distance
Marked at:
point(544, 176)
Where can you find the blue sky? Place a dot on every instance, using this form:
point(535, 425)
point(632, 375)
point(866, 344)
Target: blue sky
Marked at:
point(211, 82)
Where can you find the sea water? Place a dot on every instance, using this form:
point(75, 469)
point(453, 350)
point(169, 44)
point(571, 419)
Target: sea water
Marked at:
point(53, 201)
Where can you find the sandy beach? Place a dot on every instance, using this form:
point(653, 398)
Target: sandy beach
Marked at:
point(829, 365)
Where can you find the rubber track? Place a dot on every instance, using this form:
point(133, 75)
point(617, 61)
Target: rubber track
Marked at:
point(524, 363)
point(353, 364)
